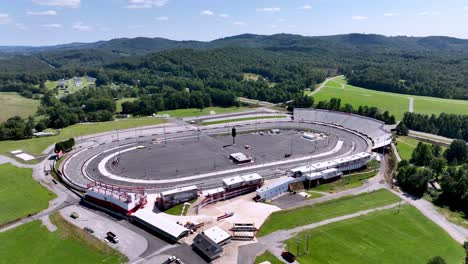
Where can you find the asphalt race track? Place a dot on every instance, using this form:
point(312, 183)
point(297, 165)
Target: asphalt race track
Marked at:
point(189, 156)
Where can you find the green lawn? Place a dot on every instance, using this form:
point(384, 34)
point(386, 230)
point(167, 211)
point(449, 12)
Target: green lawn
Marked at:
point(72, 88)
point(20, 194)
point(14, 104)
point(288, 219)
point(390, 236)
point(240, 119)
point(119, 103)
point(179, 113)
point(177, 210)
point(267, 256)
point(313, 195)
point(406, 145)
point(33, 243)
point(396, 104)
point(35, 146)
point(348, 182)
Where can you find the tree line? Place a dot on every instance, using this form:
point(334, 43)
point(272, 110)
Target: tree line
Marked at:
point(447, 125)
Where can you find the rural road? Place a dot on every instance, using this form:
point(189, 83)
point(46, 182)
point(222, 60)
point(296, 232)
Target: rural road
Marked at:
point(411, 103)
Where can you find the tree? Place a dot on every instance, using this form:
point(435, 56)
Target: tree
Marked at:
point(401, 129)
point(413, 179)
point(438, 165)
point(436, 260)
point(457, 152)
point(422, 155)
point(436, 150)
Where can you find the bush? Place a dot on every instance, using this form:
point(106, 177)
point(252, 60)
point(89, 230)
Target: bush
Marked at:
point(64, 146)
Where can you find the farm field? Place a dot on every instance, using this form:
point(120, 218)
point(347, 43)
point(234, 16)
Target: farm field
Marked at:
point(180, 113)
point(390, 236)
point(35, 146)
point(396, 104)
point(33, 243)
point(288, 219)
point(14, 104)
point(32, 198)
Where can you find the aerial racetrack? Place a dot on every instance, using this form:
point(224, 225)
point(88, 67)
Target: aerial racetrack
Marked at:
point(181, 154)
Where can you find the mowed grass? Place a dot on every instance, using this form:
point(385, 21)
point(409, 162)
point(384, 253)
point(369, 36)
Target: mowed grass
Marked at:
point(267, 256)
point(118, 103)
point(348, 182)
point(390, 236)
point(14, 104)
point(177, 210)
point(396, 104)
point(20, 194)
point(406, 146)
point(288, 219)
point(33, 243)
point(35, 146)
point(189, 112)
point(240, 119)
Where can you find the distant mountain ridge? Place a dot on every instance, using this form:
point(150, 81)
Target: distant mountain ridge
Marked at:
point(144, 45)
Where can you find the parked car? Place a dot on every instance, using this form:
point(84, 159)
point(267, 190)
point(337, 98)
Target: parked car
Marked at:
point(88, 230)
point(112, 237)
point(74, 215)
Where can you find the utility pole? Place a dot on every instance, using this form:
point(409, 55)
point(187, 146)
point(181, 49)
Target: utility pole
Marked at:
point(308, 238)
point(165, 138)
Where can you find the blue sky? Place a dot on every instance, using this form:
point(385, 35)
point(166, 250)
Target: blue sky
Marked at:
point(48, 22)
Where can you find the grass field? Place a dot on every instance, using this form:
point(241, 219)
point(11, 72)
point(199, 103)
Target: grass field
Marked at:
point(72, 88)
point(390, 236)
point(396, 104)
point(20, 194)
point(345, 183)
point(406, 145)
point(14, 104)
point(240, 119)
point(118, 103)
point(179, 113)
point(267, 256)
point(177, 210)
point(33, 243)
point(35, 146)
point(288, 219)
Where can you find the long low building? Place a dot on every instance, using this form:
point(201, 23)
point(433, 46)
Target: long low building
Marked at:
point(320, 171)
point(160, 224)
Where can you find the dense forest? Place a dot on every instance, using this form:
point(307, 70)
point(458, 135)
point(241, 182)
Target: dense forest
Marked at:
point(447, 125)
point(433, 66)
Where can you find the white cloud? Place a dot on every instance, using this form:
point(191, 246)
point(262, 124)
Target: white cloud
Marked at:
point(224, 15)
point(162, 18)
point(61, 3)
point(305, 7)
point(207, 13)
point(136, 4)
point(465, 7)
point(429, 13)
point(103, 28)
point(4, 18)
point(21, 26)
point(81, 27)
point(239, 23)
point(42, 13)
point(359, 18)
point(390, 14)
point(281, 20)
point(274, 26)
point(52, 26)
point(269, 9)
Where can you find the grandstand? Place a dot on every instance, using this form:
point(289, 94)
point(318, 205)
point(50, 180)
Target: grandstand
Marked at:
point(371, 128)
